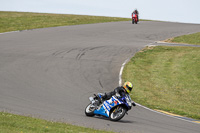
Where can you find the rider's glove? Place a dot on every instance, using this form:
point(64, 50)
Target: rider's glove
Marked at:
point(117, 94)
point(133, 103)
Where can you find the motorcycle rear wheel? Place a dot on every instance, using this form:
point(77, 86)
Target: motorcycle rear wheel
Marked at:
point(118, 113)
point(89, 110)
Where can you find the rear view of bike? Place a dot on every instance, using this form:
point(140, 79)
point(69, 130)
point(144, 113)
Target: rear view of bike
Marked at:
point(134, 18)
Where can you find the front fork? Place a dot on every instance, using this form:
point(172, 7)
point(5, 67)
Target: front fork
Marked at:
point(115, 109)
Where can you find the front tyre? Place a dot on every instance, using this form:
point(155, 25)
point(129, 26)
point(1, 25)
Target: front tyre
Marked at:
point(118, 113)
point(89, 110)
point(133, 21)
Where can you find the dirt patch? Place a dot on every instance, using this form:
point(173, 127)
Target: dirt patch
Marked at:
point(169, 40)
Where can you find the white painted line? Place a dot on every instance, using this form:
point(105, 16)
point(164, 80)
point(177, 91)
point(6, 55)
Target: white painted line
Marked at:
point(9, 32)
point(15, 31)
point(165, 114)
point(160, 42)
point(121, 70)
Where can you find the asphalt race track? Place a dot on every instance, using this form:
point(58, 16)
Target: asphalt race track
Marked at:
point(50, 73)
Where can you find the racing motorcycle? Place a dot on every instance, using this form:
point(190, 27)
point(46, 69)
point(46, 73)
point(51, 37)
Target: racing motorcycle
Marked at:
point(134, 18)
point(115, 108)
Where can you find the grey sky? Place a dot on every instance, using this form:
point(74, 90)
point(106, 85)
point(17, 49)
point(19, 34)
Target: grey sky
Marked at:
point(167, 10)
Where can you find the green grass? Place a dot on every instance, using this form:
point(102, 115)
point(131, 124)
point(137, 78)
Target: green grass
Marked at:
point(167, 78)
point(188, 39)
point(10, 123)
point(14, 21)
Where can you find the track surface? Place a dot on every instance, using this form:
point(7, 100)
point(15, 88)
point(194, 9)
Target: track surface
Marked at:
point(50, 73)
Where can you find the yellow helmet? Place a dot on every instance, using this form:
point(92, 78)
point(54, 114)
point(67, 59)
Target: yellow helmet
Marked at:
point(128, 86)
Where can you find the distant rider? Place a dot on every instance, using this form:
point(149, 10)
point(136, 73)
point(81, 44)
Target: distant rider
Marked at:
point(137, 14)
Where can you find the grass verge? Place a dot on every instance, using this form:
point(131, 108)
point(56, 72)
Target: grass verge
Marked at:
point(10, 123)
point(167, 78)
point(14, 21)
point(188, 39)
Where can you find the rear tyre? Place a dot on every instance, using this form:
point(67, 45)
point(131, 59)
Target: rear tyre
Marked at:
point(89, 110)
point(118, 113)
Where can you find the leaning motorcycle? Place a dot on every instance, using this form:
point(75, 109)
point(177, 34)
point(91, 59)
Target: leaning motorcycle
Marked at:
point(115, 108)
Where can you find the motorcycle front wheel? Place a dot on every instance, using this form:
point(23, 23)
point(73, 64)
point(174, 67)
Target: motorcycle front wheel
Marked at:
point(118, 113)
point(133, 21)
point(89, 110)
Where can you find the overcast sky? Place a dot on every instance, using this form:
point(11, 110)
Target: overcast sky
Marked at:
point(186, 11)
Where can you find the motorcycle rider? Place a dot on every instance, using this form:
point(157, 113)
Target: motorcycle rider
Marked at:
point(119, 92)
point(137, 13)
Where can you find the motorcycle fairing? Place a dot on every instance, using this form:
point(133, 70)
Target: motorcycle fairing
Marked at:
point(107, 105)
point(101, 111)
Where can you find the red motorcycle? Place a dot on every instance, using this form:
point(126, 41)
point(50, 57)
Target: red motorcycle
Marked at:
point(134, 18)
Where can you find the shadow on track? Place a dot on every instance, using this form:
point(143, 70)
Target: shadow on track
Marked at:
point(107, 119)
